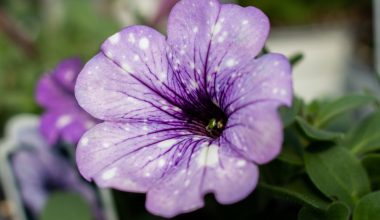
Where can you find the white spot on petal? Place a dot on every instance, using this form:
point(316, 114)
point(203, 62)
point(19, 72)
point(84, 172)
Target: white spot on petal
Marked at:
point(136, 57)
point(177, 109)
point(84, 141)
point(63, 121)
point(144, 43)
point(208, 156)
point(192, 65)
point(231, 63)
point(131, 99)
point(167, 143)
point(109, 174)
point(241, 163)
point(162, 76)
point(109, 54)
point(194, 84)
point(114, 39)
point(131, 38)
point(161, 162)
point(217, 28)
point(126, 67)
point(220, 39)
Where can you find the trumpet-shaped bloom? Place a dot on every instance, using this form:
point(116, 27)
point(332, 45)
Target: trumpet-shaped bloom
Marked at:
point(188, 114)
point(63, 118)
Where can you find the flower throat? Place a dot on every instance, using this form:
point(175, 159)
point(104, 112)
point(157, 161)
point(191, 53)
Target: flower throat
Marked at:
point(209, 120)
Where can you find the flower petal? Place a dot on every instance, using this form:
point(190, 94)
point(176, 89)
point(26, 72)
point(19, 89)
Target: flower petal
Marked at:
point(67, 124)
point(209, 169)
point(267, 78)
point(130, 79)
point(256, 132)
point(66, 73)
point(130, 156)
point(48, 127)
point(250, 98)
point(51, 95)
point(210, 39)
point(176, 168)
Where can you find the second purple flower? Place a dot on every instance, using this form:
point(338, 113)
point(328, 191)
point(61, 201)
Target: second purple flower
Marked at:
point(64, 119)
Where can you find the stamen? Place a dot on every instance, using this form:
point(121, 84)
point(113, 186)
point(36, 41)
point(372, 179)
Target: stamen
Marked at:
point(215, 127)
point(206, 119)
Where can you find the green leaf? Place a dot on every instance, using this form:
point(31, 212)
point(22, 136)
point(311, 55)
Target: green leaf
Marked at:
point(365, 137)
point(296, 58)
point(368, 207)
point(338, 174)
point(328, 112)
point(307, 213)
point(292, 149)
point(336, 211)
point(64, 206)
point(316, 133)
point(299, 191)
point(371, 163)
point(288, 115)
point(312, 108)
point(289, 155)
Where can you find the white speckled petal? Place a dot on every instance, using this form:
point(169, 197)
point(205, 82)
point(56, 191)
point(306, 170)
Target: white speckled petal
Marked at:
point(251, 99)
point(109, 92)
point(256, 131)
point(267, 78)
point(132, 156)
point(209, 169)
point(172, 167)
point(130, 79)
point(211, 40)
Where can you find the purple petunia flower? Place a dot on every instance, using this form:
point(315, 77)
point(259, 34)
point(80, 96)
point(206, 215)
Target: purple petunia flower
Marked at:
point(64, 119)
point(39, 171)
point(185, 115)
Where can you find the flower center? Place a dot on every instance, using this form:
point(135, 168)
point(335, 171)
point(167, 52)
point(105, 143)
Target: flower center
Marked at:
point(206, 119)
point(215, 127)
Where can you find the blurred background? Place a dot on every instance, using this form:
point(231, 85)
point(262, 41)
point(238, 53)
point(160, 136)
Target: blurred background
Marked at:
point(336, 38)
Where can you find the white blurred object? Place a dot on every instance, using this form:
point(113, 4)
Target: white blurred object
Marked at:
point(128, 12)
point(53, 12)
point(327, 51)
point(153, 12)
